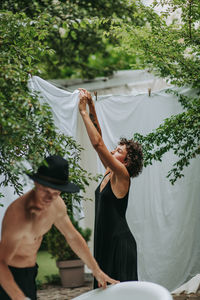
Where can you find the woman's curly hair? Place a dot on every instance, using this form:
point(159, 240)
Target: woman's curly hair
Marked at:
point(134, 158)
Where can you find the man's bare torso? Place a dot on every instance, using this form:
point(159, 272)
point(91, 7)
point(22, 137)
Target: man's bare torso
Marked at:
point(30, 222)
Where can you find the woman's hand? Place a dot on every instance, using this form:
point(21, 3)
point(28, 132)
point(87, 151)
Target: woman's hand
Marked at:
point(83, 100)
point(86, 96)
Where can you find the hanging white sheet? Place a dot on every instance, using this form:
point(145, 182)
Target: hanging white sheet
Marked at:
point(64, 104)
point(163, 218)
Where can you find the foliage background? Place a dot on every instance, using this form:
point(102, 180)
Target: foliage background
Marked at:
point(49, 38)
point(170, 49)
point(56, 38)
point(79, 46)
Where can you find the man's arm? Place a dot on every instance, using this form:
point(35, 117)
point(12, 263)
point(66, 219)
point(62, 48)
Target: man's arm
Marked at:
point(8, 246)
point(80, 247)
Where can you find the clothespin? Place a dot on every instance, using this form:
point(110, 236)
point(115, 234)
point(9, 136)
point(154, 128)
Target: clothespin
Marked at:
point(95, 93)
point(149, 92)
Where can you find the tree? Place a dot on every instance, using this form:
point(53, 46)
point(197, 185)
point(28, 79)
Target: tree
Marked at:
point(76, 36)
point(172, 51)
point(28, 31)
point(27, 128)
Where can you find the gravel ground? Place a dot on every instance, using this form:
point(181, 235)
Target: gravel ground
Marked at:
point(59, 293)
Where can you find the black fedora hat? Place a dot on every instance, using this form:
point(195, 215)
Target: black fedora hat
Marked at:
point(55, 175)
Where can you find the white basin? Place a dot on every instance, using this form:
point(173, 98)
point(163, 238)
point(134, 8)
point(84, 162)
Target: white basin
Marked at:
point(130, 290)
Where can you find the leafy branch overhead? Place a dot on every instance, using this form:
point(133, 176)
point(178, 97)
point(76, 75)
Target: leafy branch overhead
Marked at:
point(169, 45)
point(27, 128)
point(79, 46)
point(179, 133)
point(51, 39)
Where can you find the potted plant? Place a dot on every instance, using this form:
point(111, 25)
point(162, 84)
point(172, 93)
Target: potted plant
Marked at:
point(71, 267)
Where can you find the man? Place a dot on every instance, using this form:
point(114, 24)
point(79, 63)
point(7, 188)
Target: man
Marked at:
point(25, 222)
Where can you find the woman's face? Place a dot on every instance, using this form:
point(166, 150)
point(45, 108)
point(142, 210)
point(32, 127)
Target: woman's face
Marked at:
point(120, 153)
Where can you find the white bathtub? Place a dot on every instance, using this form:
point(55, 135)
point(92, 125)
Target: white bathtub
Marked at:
point(130, 290)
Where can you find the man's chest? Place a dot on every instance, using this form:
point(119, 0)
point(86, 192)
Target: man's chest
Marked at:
point(40, 227)
point(37, 227)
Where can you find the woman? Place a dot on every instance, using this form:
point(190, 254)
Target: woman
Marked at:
point(114, 245)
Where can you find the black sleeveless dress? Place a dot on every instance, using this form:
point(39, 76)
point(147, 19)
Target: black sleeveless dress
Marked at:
point(114, 245)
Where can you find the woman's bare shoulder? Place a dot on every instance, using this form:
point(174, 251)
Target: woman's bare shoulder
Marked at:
point(120, 185)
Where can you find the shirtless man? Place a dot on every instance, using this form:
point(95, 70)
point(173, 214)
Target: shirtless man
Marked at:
point(25, 222)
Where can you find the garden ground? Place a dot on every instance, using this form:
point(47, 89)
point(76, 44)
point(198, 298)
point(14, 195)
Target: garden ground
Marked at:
point(48, 269)
point(51, 292)
point(60, 293)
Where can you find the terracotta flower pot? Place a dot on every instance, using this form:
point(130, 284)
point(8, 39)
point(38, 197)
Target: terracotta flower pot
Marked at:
point(71, 272)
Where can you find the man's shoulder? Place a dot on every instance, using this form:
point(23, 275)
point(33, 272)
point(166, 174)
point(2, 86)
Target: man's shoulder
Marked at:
point(15, 213)
point(60, 206)
point(19, 202)
point(15, 209)
point(60, 202)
